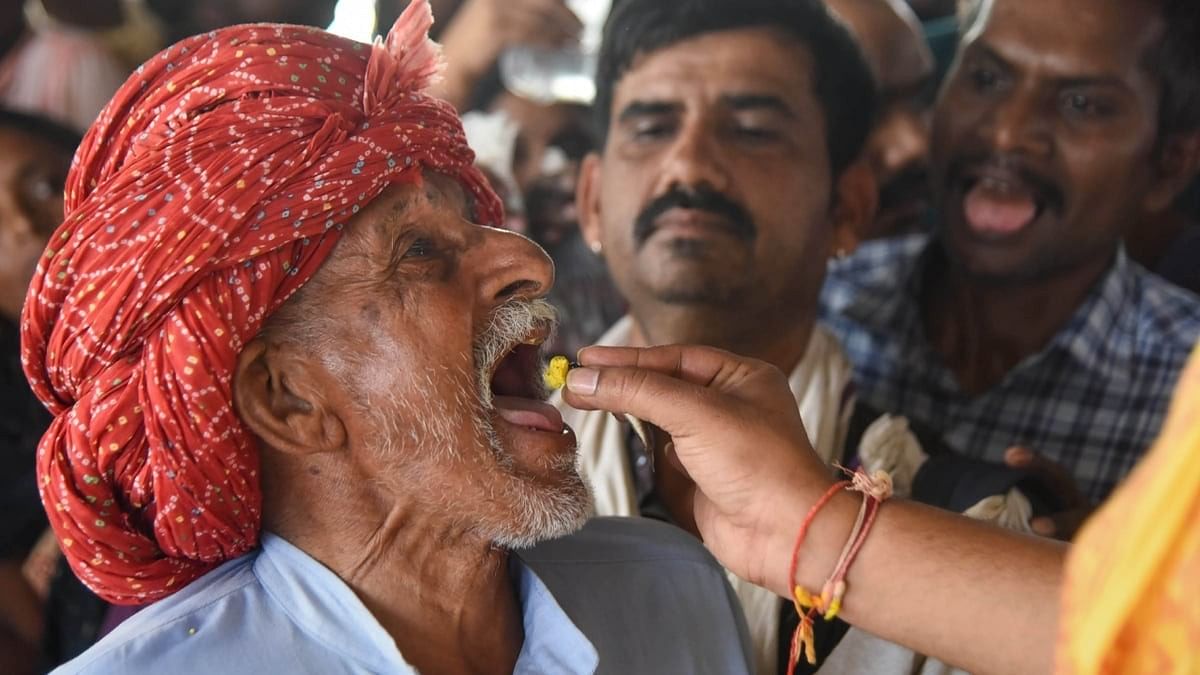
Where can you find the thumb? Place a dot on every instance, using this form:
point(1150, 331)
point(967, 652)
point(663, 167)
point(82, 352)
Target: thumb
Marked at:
point(670, 403)
point(675, 387)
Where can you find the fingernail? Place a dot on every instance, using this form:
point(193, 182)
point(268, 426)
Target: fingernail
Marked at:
point(1019, 455)
point(583, 381)
point(1043, 527)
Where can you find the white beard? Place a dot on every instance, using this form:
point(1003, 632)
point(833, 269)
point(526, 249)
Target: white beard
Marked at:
point(420, 434)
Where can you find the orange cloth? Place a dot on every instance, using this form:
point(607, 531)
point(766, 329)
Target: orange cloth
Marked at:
point(1132, 599)
point(210, 189)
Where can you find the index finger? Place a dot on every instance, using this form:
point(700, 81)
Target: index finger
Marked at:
point(671, 403)
point(701, 366)
point(1054, 476)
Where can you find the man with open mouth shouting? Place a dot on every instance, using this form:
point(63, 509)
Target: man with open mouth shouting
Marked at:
point(1022, 322)
point(296, 389)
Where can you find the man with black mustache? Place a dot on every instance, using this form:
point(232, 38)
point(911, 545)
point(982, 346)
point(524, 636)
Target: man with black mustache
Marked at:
point(1022, 321)
point(724, 181)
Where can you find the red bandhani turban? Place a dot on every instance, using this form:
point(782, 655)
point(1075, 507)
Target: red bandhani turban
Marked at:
point(210, 189)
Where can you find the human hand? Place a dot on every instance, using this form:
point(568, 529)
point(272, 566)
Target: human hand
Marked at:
point(41, 563)
point(1055, 478)
point(735, 430)
point(482, 29)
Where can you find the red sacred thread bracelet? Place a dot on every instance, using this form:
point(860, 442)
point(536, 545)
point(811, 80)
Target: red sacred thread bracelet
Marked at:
point(875, 489)
point(804, 632)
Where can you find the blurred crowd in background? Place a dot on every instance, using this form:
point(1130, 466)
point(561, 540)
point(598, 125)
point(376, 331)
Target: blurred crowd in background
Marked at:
point(519, 71)
point(515, 67)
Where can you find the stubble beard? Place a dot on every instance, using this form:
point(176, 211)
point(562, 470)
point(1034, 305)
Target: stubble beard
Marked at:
point(422, 431)
point(702, 281)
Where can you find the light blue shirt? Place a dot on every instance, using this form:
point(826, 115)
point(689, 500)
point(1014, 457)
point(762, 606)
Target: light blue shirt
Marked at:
point(620, 596)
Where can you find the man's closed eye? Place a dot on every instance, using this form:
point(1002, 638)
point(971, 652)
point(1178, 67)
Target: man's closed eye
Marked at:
point(421, 247)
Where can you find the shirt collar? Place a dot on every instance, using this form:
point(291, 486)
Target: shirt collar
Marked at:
point(1091, 337)
point(890, 272)
point(553, 643)
point(324, 607)
point(311, 595)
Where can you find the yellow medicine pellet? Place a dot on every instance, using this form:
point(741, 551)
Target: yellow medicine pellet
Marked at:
point(555, 376)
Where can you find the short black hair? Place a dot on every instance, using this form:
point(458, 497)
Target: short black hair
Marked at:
point(845, 88)
point(58, 135)
point(1175, 59)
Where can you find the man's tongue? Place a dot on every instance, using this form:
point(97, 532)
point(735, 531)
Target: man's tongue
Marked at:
point(529, 413)
point(999, 207)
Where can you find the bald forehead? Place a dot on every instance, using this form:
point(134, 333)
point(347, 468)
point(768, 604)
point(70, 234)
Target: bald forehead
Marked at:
point(884, 16)
point(1079, 30)
point(891, 38)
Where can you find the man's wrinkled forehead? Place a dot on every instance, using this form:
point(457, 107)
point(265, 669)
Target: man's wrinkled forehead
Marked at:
point(427, 190)
point(417, 201)
point(720, 67)
point(890, 36)
point(1081, 39)
point(443, 192)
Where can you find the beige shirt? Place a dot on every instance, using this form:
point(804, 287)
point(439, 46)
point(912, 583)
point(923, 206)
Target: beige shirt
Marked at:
point(823, 388)
point(821, 383)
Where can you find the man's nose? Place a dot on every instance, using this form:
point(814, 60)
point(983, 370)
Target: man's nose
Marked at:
point(695, 159)
point(1017, 125)
point(902, 141)
point(513, 267)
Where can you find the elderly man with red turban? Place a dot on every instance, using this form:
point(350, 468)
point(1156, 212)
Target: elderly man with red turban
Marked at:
point(295, 389)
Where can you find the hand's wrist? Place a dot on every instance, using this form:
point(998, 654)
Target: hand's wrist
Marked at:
point(470, 52)
point(819, 551)
point(473, 67)
point(460, 77)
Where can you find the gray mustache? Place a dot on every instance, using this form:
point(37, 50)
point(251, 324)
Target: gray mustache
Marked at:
point(511, 324)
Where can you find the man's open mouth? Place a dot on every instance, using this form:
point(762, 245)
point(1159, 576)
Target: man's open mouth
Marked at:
point(518, 393)
point(999, 201)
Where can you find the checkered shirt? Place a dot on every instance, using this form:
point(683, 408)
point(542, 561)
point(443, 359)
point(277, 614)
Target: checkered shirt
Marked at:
point(1093, 400)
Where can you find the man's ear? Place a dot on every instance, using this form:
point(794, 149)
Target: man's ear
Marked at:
point(587, 202)
point(278, 394)
point(855, 204)
point(1177, 163)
